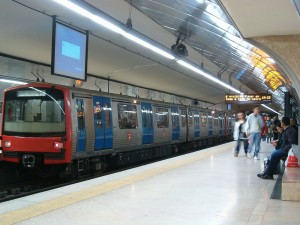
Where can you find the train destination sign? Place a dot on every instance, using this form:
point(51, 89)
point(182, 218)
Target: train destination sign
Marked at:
point(248, 99)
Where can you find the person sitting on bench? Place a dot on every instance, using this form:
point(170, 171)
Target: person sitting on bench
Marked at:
point(288, 138)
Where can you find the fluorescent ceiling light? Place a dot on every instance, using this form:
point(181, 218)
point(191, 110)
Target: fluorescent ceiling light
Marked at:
point(203, 73)
point(12, 81)
point(149, 46)
point(105, 23)
point(267, 107)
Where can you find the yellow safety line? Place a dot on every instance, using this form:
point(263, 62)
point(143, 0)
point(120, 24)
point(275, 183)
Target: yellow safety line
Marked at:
point(68, 199)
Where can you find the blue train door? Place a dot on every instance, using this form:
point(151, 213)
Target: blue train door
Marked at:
point(102, 122)
point(81, 131)
point(147, 121)
point(175, 123)
point(197, 123)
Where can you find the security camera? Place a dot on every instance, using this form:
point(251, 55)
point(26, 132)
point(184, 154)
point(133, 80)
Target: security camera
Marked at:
point(179, 49)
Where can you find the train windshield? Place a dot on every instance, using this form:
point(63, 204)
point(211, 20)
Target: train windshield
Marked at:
point(34, 112)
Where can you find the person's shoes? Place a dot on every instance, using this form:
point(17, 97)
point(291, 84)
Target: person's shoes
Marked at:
point(256, 158)
point(249, 155)
point(236, 154)
point(260, 175)
point(267, 177)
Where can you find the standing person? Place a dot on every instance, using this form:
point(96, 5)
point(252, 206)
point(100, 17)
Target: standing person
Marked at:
point(254, 125)
point(270, 130)
point(288, 138)
point(240, 134)
point(264, 129)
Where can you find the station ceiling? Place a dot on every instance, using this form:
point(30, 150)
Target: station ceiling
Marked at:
point(26, 32)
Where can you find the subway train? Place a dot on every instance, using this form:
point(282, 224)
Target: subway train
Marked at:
point(72, 130)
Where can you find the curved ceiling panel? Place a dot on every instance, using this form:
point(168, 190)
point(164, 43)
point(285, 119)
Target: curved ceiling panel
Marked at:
point(206, 27)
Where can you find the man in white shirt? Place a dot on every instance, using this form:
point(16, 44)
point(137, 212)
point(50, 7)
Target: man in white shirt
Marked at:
point(254, 125)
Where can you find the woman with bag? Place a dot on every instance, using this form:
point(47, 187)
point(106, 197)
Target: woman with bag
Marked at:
point(240, 134)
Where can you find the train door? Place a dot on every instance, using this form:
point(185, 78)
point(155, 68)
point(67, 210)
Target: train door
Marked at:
point(215, 117)
point(221, 127)
point(183, 123)
point(175, 123)
point(203, 124)
point(147, 120)
point(196, 123)
point(81, 130)
point(225, 124)
point(210, 124)
point(190, 120)
point(102, 123)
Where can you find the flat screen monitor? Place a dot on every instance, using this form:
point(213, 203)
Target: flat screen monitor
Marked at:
point(69, 51)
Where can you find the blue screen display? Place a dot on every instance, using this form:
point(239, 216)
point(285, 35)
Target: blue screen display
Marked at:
point(70, 52)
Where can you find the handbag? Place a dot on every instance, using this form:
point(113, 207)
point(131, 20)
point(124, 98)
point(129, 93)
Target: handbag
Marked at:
point(292, 160)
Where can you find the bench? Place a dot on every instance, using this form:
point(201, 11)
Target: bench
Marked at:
point(291, 184)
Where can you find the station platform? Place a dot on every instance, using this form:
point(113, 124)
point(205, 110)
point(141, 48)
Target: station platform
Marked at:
point(205, 187)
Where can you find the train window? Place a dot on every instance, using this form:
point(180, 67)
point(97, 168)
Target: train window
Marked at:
point(216, 121)
point(203, 119)
point(162, 117)
point(221, 120)
point(127, 115)
point(175, 119)
point(150, 119)
point(210, 121)
point(144, 116)
point(190, 118)
point(97, 114)
point(147, 118)
point(183, 117)
point(80, 114)
point(37, 112)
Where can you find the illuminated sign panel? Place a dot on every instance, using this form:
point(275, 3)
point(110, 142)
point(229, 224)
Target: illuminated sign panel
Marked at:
point(248, 99)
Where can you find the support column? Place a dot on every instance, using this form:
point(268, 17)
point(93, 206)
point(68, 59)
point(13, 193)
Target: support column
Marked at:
point(287, 105)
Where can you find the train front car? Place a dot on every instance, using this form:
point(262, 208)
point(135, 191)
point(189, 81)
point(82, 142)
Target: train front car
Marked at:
point(36, 129)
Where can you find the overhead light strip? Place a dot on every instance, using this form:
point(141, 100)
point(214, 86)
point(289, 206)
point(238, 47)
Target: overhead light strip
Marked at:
point(267, 107)
point(12, 81)
point(208, 76)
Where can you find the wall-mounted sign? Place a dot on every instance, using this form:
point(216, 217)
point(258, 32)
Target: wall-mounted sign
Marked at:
point(248, 99)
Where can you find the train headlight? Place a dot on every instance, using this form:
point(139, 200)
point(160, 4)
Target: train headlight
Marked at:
point(58, 145)
point(7, 144)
